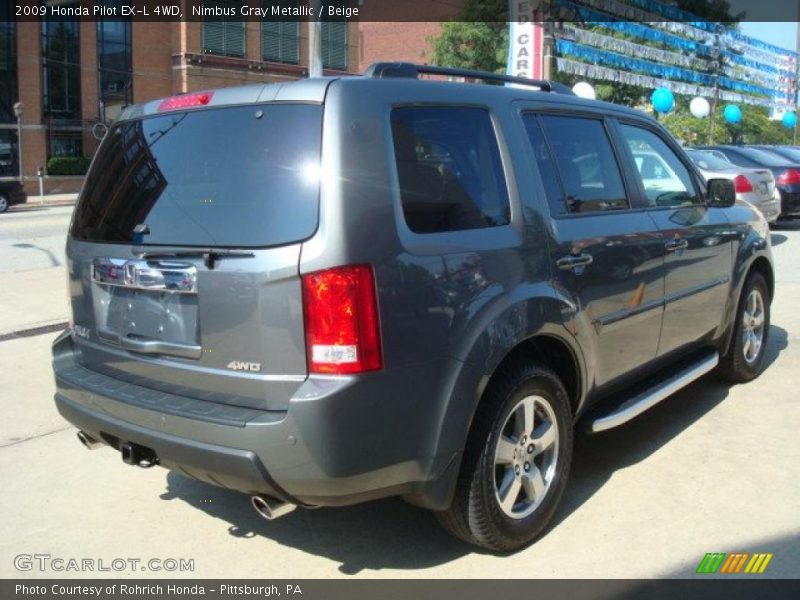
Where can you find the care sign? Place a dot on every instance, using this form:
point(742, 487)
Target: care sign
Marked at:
point(526, 40)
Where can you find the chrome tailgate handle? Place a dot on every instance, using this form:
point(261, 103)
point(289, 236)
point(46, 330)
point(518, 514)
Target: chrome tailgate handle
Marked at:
point(146, 275)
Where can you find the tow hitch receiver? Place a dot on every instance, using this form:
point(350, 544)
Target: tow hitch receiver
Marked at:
point(134, 454)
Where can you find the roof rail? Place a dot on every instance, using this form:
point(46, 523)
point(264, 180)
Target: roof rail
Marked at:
point(383, 70)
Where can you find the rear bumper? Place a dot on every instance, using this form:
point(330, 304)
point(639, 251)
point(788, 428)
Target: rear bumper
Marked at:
point(342, 441)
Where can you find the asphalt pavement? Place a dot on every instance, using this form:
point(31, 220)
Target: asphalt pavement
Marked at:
point(715, 468)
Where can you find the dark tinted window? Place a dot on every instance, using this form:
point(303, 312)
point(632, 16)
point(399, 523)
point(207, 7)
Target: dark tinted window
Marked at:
point(449, 167)
point(236, 177)
point(589, 172)
point(665, 179)
point(547, 170)
point(791, 153)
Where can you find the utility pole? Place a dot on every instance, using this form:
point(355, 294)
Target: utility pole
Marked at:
point(315, 40)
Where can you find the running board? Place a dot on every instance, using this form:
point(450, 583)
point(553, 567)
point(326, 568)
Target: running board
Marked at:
point(636, 405)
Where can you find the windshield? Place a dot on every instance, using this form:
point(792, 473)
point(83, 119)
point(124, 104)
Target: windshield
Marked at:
point(245, 176)
point(708, 161)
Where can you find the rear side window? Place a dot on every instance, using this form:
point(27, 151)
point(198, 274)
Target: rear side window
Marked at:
point(585, 159)
point(449, 169)
point(244, 176)
point(544, 161)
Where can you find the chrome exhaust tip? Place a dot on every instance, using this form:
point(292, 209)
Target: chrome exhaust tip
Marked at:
point(271, 508)
point(88, 441)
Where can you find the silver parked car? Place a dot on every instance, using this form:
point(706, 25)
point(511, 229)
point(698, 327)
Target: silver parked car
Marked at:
point(756, 186)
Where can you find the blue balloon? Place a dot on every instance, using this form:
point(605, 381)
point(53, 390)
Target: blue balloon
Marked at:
point(732, 114)
point(662, 100)
point(789, 120)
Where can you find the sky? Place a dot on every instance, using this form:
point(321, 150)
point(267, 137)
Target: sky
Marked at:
point(780, 34)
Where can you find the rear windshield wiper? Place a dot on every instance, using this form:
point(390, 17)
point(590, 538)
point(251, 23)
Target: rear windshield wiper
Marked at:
point(210, 256)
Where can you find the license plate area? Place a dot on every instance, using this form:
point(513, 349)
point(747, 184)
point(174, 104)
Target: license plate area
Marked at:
point(147, 307)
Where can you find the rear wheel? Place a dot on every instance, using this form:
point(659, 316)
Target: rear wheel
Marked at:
point(745, 357)
point(516, 462)
point(3, 203)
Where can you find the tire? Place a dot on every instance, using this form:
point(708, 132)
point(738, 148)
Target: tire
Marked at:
point(744, 361)
point(476, 515)
point(3, 203)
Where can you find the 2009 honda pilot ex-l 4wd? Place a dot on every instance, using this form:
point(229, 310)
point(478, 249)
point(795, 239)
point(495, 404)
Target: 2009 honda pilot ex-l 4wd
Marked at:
point(341, 289)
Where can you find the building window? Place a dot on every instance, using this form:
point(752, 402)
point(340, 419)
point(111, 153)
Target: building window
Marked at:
point(65, 143)
point(8, 153)
point(61, 68)
point(114, 65)
point(280, 40)
point(224, 35)
point(334, 45)
point(8, 64)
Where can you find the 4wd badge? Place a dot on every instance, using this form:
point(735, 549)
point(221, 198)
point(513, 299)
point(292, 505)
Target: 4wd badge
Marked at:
point(238, 365)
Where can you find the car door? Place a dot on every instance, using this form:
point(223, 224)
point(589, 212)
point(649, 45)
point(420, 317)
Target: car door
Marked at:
point(607, 253)
point(697, 239)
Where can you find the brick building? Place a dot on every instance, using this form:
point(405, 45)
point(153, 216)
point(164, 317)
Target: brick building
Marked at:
point(69, 75)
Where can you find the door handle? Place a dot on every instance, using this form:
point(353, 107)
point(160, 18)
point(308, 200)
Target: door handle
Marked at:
point(676, 244)
point(574, 262)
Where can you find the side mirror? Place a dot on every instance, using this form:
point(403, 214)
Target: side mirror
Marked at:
point(721, 193)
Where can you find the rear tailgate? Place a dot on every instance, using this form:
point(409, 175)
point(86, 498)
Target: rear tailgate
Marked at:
point(184, 251)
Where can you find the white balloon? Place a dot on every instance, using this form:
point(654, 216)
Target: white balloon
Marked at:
point(584, 89)
point(699, 107)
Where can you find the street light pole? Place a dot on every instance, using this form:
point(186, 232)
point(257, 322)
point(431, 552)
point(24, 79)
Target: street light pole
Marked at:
point(19, 108)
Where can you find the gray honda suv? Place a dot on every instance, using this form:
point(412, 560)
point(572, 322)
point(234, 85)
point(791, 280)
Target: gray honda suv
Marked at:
point(335, 290)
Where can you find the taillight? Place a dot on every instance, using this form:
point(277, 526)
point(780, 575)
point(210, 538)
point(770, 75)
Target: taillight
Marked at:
point(742, 184)
point(185, 101)
point(341, 319)
point(788, 177)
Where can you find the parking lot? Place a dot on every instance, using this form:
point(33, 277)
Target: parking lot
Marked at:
point(713, 469)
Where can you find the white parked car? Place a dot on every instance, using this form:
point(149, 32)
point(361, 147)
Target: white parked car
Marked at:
point(756, 186)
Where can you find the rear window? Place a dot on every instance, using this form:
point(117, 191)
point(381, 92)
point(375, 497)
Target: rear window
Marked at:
point(708, 161)
point(245, 176)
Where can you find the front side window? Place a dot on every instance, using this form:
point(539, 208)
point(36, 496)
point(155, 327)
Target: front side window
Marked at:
point(449, 169)
point(585, 159)
point(666, 180)
point(224, 35)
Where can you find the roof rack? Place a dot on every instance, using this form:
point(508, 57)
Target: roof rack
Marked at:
point(383, 70)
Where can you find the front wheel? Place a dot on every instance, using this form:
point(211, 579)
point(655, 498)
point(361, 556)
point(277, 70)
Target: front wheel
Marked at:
point(3, 203)
point(745, 357)
point(516, 462)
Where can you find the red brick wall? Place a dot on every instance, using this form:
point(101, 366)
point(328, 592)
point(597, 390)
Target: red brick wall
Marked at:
point(395, 42)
